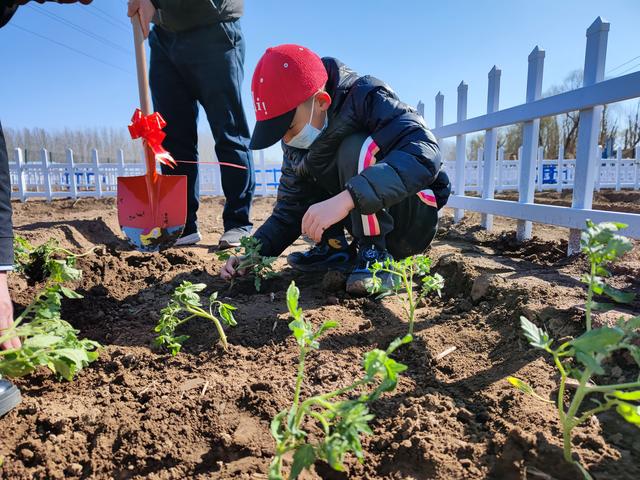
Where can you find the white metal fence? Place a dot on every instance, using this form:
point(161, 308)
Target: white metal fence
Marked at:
point(69, 179)
point(49, 179)
point(587, 168)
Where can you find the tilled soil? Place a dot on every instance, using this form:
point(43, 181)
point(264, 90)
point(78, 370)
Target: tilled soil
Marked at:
point(140, 413)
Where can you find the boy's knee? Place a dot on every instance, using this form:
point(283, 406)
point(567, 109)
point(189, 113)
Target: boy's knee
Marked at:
point(349, 153)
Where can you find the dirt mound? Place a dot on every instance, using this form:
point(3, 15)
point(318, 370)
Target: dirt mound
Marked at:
point(140, 413)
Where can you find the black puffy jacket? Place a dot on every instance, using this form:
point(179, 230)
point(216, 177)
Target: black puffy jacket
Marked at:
point(408, 161)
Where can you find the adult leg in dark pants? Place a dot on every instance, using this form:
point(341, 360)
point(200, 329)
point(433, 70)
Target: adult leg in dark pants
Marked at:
point(405, 229)
point(206, 65)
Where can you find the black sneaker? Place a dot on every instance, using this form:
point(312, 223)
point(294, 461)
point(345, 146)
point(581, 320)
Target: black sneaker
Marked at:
point(9, 397)
point(331, 254)
point(361, 279)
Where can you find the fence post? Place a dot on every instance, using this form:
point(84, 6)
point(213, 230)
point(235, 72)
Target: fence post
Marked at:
point(540, 163)
point(560, 180)
point(490, 145)
point(121, 171)
point(637, 168)
point(46, 170)
point(618, 165)
point(479, 167)
point(439, 109)
point(72, 174)
point(598, 180)
point(589, 128)
point(500, 186)
point(96, 171)
point(22, 183)
point(461, 149)
point(530, 132)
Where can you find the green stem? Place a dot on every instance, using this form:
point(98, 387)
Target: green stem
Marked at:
point(590, 295)
point(408, 281)
point(608, 388)
point(197, 311)
point(296, 395)
point(570, 420)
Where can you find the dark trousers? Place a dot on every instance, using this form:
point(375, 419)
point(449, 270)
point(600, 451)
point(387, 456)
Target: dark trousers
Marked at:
point(6, 228)
point(205, 66)
point(406, 228)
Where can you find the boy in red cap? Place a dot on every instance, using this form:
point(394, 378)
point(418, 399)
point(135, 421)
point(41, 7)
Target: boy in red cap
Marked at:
point(355, 157)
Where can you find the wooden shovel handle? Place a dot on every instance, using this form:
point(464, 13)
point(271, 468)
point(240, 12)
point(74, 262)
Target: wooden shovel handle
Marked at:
point(141, 65)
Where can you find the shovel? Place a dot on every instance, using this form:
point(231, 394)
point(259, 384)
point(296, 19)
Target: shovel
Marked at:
point(152, 208)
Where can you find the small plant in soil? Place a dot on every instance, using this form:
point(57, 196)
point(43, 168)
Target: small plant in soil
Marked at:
point(250, 259)
point(47, 339)
point(403, 273)
point(184, 305)
point(341, 421)
point(586, 356)
point(602, 244)
point(44, 261)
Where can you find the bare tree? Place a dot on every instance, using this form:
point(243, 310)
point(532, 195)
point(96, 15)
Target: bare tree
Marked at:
point(631, 134)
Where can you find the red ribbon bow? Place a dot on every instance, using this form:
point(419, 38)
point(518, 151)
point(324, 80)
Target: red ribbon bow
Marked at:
point(149, 128)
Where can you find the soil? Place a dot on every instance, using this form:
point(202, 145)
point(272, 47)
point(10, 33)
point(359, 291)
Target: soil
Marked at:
point(141, 413)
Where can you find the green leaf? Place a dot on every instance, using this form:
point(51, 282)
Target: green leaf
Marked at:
point(618, 295)
point(67, 292)
point(41, 341)
point(398, 342)
point(536, 336)
point(630, 412)
point(597, 340)
point(303, 458)
point(590, 361)
point(602, 307)
point(520, 385)
point(293, 294)
point(276, 426)
point(632, 324)
point(635, 395)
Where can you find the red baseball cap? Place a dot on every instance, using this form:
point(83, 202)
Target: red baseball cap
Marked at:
point(285, 77)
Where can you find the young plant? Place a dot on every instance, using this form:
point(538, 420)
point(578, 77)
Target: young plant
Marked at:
point(248, 254)
point(582, 358)
point(44, 261)
point(602, 244)
point(47, 339)
point(402, 274)
point(586, 356)
point(184, 305)
point(341, 421)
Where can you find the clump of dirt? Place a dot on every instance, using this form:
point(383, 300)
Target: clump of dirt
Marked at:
point(139, 413)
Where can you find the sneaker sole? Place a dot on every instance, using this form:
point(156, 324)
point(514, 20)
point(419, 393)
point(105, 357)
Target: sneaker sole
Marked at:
point(224, 245)
point(191, 239)
point(10, 400)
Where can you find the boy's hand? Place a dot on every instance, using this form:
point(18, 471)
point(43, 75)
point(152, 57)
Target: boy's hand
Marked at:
point(230, 269)
point(6, 312)
point(146, 10)
point(321, 216)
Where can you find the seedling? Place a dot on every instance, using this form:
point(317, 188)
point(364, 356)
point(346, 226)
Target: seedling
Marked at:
point(586, 356)
point(341, 421)
point(402, 274)
point(44, 261)
point(250, 259)
point(47, 340)
point(582, 358)
point(184, 305)
point(601, 244)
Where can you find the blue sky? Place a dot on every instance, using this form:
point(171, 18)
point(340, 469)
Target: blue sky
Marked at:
point(418, 47)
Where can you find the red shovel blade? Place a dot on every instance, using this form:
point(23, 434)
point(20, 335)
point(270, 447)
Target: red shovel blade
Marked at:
point(152, 210)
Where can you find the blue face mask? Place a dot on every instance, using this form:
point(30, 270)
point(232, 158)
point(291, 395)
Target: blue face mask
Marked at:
point(308, 134)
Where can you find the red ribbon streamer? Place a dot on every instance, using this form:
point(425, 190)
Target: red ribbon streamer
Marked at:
point(149, 128)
